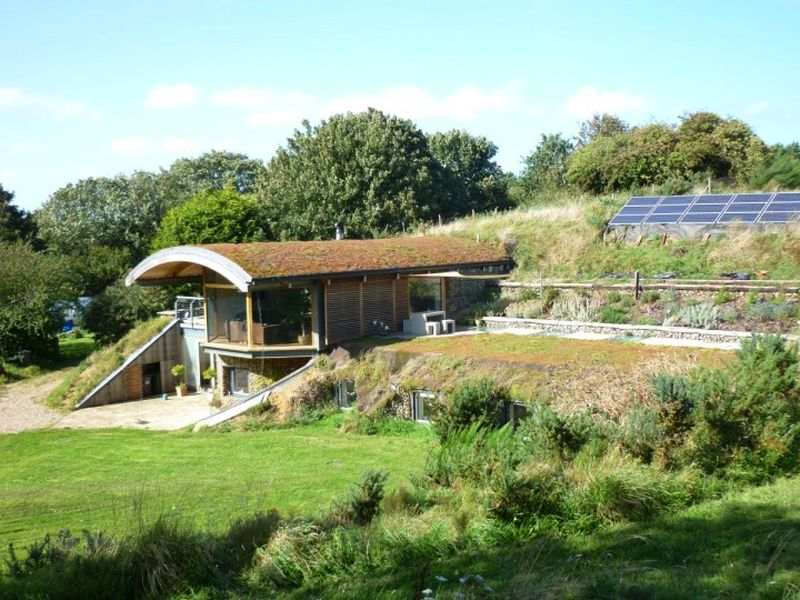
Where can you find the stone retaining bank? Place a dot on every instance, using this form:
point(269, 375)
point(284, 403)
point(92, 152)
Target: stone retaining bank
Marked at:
point(613, 329)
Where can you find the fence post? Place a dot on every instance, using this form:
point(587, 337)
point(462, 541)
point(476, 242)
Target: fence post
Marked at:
point(636, 288)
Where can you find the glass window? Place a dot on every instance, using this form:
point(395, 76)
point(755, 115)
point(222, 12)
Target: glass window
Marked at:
point(425, 293)
point(425, 405)
point(346, 393)
point(284, 315)
point(239, 382)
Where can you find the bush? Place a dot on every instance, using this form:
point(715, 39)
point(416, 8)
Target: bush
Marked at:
point(546, 430)
point(611, 314)
point(575, 307)
point(747, 425)
point(650, 296)
point(476, 454)
point(642, 433)
point(478, 402)
point(722, 297)
point(702, 316)
point(772, 311)
point(613, 297)
point(365, 499)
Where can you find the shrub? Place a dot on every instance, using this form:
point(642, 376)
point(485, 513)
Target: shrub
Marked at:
point(722, 297)
point(642, 433)
point(566, 434)
point(574, 307)
point(480, 402)
point(475, 454)
point(613, 297)
point(611, 314)
point(747, 424)
point(650, 296)
point(772, 311)
point(702, 316)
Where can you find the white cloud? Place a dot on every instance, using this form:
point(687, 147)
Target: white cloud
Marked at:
point(132, 146)
point(22, 148)
point(589, 101)
point(182, 145)
point(180, 95)
point(17, 99)
point(269, 107)
point(757, 108)
point(6, 174)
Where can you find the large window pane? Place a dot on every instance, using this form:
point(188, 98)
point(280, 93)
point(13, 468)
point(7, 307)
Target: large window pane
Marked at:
point(282, 316)
point(425, 293)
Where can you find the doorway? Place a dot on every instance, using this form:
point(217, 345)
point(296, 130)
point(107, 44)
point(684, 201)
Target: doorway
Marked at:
point(151, 379)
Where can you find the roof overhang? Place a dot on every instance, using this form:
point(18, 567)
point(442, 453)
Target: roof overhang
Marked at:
point(184, 263)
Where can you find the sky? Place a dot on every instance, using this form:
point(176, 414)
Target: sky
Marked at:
point(97, 88)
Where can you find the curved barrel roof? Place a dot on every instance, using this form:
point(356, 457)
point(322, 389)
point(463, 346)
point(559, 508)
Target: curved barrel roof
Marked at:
point(245, 264)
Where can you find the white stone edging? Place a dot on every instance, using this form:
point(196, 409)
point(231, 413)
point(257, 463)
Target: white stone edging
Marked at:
point(622, 329)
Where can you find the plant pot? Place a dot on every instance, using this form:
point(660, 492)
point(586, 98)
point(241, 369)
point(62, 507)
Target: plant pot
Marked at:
point(181, 390)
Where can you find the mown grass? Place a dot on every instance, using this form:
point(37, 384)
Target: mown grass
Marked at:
point(565, 240)
point(92, 479)
point(71, 351)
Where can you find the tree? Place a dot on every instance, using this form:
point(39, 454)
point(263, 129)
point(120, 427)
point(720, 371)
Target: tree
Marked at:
point(119, 308)
point(781, 170)
point(32, 284)
point(123, 211)
point(211, 217)
point(717, 147)
point(213, 170)
point(473, 179)
point(15, 223)
point(600, 125)
point(368, 171)
point(546, 167)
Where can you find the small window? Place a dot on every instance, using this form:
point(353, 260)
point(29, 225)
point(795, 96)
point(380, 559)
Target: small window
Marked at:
point(517, 411)
point(425, 294)
point(346, 394)
point(425, 405)
point(240, 382)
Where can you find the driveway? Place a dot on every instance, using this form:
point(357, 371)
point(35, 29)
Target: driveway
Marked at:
point(152, 413)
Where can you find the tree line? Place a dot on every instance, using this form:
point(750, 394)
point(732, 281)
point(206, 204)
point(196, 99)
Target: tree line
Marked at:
point(374, 173)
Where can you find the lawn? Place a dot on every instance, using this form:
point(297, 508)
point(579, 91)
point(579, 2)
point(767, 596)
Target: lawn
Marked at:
point(94, 479)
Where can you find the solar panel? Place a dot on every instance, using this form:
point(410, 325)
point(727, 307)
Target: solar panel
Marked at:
point(747, 207)
point(714, 199)
point(626, 220)
point(706, 209)
point(778, 217)
point(700, 218)
point(739, 198)
point(741, 217)
point(776, 206)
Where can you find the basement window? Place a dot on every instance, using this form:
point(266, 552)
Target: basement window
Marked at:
point(424, 405)
point(517, 411)
point(239, 382)
point(346, 394)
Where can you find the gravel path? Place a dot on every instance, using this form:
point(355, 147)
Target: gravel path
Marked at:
point(22, 404)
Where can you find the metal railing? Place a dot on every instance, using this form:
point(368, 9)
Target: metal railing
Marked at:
point(191, 310)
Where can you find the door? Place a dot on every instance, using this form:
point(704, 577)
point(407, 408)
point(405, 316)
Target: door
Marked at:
point(151, 379)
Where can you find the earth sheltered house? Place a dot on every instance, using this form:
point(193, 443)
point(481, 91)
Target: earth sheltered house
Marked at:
point(270, 306)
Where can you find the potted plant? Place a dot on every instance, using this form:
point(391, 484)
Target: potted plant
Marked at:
point(179, 372)
point(210, 375)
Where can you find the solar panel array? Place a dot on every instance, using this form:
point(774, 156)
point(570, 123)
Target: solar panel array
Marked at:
point(710, 209)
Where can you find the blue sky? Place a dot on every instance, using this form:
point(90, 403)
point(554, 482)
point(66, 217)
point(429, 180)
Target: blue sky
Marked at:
point(96, 88)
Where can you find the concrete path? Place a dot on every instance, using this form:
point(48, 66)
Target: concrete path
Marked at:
point(151, 413)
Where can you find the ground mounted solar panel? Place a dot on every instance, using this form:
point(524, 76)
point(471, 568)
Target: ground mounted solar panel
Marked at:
point(706, 210)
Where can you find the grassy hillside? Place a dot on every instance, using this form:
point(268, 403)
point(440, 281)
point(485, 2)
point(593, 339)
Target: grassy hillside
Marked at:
point(80, 380)
point(93, 479)
point(564, 240)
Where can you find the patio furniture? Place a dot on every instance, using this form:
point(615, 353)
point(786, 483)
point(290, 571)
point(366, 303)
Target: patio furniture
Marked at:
point(448, 326)
point(433, 328)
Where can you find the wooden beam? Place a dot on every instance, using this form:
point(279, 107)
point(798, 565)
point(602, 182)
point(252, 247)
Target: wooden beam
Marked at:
point(249, 316)
point(221, 286)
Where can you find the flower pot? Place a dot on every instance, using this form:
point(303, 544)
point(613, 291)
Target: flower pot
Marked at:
point(181, 390)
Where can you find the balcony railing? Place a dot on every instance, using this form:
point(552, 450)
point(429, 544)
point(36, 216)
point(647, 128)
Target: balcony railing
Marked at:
point(191, 310)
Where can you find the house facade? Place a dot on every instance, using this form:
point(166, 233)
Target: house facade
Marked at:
point(271, 306)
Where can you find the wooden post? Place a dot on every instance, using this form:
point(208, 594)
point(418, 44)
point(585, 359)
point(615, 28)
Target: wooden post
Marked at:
point(249, 316)
point(440, 220)
point(636, 288)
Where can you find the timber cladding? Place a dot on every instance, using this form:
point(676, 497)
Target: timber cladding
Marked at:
point(355, 308)
point(126, 383)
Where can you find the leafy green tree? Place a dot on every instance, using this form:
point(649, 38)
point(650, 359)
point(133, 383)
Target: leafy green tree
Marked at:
point(213, 170)
point(473, 179)
point(781, 170)
point(723, 148)
point(95, 267)
point(371, 172)
point(119, 308)
point(118, 212)
point(600, 125)
point(211, 217)
point(31, 286)
point(15, 223)
point(546, 167)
